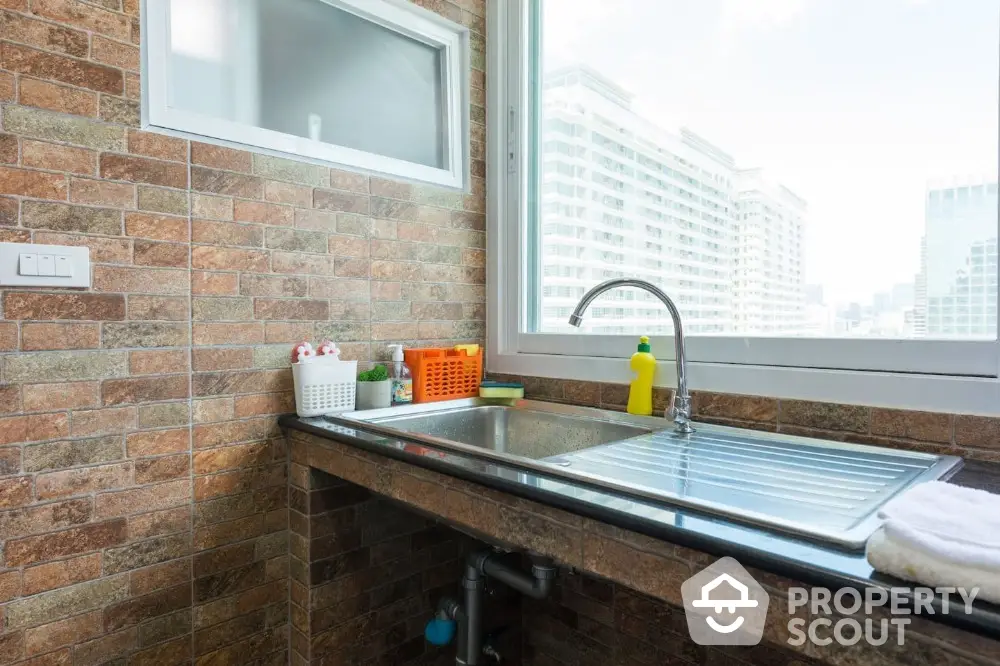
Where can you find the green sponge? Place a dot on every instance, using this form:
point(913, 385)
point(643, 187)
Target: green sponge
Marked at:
point(509, 390)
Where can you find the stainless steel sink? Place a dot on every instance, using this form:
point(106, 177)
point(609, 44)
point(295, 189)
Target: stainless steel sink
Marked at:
point(824, 490)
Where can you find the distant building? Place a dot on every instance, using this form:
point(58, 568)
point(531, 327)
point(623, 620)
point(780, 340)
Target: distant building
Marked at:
point(957, 288)
point(621, 196)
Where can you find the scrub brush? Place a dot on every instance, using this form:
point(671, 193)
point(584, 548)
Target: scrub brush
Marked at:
point(509, 390)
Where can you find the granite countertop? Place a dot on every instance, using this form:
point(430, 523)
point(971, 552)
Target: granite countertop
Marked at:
point(798, 559)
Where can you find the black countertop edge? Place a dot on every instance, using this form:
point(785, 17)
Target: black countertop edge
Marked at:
point(984, 619)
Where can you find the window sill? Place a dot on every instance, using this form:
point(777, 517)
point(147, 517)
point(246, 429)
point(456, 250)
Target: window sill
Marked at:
point(933, 393)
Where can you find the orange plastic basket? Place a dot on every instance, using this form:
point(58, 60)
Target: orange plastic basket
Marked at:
point(441, 373)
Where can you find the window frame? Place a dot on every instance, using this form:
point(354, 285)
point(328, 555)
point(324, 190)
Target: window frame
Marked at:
point(934, 375)
point(400, 16)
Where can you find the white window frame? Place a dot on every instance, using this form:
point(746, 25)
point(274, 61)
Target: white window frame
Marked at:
point(401, 16)
point(934, 375)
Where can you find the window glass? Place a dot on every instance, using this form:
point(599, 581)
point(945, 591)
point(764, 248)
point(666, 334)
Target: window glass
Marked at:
point(301, 76)
point(779, 167)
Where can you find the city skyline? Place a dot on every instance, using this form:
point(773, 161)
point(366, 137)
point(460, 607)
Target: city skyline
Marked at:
point(859, 132)
point(623, 196)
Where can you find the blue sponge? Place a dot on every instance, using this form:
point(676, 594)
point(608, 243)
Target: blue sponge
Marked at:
point(439, 632)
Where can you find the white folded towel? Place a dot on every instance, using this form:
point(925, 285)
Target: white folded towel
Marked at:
point(941, 535)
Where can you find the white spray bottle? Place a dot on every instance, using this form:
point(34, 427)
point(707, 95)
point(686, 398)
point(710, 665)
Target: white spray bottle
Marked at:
point(401, 377)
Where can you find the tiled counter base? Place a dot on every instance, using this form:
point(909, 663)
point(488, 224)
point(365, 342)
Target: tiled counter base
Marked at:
point(610, 624)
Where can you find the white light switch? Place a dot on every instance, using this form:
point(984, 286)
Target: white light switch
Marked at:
point(28, 264)
point(36, 265)
point(46, 265)
point(64, 266)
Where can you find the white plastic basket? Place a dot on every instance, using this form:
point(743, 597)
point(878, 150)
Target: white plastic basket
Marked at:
point(324, 386)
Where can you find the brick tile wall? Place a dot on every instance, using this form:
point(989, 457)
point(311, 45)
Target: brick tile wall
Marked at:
point(143, 482)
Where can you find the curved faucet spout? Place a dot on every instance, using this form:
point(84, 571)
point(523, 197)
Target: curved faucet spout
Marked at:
point(681, 408)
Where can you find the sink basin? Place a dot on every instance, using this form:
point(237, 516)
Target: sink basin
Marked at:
point(830, 491)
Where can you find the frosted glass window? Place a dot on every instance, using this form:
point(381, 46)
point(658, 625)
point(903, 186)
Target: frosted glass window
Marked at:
point(367, 84)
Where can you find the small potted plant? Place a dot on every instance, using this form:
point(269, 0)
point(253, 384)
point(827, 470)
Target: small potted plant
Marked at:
point(374, 388)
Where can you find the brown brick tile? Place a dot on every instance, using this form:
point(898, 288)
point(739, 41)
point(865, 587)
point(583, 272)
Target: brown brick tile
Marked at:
point(263, 213)
point(101, 193)
point(10, 585)
point(155, 523)
point(48, 337)
point(275, 332)
point(29, 183)
point(212, 410)
point(156, 227)
point(86, 17)
point(45, 577)
point(145, 334)
point(8, 149)
point(133, 611)
point(143, 170)
point(141, 280)
point(68, 542)
point(160, 576)
point(977, 431)
point(9, 213)
point(267, 403)
point(744, 407)
point(42, 155)
point(158, 308)
point(137, 390)
point(222, 359)
point(177, 651)
point(54, 97)
point(82, 481)
point(219, 157)
point(214, 283)
point(7, 86)
point(228, 334)
point(316, 220)
point(62, 217)
point(291, 309)
point(222, 258)
point(154, 470)
point(923, 426)
point(106, 649)
point(226, 183)
point(15, 492)
point(63, 633)
point(58, 39)
point(103, 421)
point(288, 193)
point(10, 399)
point(85, 307)
point(158, 362)
point(41, 397)
point(824, 416)
point(157, 443)
point(33, 428)
point(119, 111)
point(226, 233)
point(210, 207)
point(116, 54)
point(46, 65)
point(151, 498)
point(160, 146)
point(171, 255)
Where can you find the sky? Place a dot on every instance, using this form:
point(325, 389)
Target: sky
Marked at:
point(856, 105)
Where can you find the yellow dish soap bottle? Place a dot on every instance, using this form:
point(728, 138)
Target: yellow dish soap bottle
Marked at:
point(640, 391)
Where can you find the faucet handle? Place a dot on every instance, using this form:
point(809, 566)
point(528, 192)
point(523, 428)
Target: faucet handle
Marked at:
point(680, 412)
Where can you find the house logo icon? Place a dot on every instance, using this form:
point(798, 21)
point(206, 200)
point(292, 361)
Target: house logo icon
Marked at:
point(724, 605)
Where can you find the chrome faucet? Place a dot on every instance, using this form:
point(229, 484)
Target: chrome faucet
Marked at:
point(680, 409)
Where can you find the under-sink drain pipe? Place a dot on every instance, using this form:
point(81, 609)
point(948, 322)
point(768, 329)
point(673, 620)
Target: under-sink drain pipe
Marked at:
point(469, 615)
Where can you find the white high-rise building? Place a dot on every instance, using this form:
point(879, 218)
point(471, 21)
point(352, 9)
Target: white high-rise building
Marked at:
point(622, 197)
point(957, 287)
point(770, 277)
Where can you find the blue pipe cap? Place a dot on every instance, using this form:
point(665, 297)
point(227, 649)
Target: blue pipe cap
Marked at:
point(439, 632)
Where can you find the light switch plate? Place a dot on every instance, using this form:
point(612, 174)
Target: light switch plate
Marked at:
point(77, 260)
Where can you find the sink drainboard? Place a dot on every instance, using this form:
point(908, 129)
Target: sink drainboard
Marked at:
point(830, 493)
